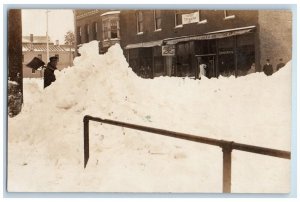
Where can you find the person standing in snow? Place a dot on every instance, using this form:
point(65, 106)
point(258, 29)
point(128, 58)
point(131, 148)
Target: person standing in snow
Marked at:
point(202, 70)
point(49, 76)
point(252, 69)
point(268, 68)
point(280, 65)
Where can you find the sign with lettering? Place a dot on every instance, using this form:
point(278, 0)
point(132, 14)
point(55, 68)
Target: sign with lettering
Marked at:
point(190, 18)
point(168, 50)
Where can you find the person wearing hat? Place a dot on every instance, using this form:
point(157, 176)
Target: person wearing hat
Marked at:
point(268, 68)
point(280, 65)
point(49, 75)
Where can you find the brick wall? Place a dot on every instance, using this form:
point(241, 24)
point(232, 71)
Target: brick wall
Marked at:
point(215, 21)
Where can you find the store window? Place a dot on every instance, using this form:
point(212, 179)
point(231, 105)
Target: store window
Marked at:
point(157, 19)
point(158, 69)
point(245, 53)
point(134, 59)
point(139, 20)
point(184, 60)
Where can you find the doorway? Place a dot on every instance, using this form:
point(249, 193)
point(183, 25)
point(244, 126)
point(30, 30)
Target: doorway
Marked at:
point(209, 61)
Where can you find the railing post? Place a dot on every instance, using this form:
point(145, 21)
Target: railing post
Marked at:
point(86, 140)
point(227, 149)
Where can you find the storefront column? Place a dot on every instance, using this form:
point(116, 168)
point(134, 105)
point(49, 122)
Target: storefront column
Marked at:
point(235, 56)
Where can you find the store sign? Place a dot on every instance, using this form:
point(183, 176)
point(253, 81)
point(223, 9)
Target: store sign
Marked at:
point(168, 50)
point(190, 18)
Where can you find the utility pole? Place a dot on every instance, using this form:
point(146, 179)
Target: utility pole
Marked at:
point(15, 66)
point(47, 11)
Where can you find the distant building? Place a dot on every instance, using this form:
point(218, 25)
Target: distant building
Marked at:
point(176, 42)
point(36, 46)
point(100, 25)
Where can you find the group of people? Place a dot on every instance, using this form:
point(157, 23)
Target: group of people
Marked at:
point(268, 68)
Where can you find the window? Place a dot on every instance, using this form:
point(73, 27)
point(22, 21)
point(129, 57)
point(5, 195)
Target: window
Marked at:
point(228, 15)
point(95, 30)
point(178, 18)
point(105, 29)
point(201, 18)
point(157, 19)
point(139, 22)
point(33, 71)
point(88, 29)
point(110, 27)
point(113, 29)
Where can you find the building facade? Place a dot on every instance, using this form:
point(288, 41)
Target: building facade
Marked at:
point(177, 42)
point(36, 46)
point(100, 25)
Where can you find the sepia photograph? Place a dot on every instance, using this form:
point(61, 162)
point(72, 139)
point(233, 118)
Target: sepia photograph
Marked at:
point(143, 100)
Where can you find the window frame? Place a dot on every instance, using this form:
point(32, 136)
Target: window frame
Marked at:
point(178, 25)
point(204, 21)
point(155, 21)
point(228, 17)
point(139, 22)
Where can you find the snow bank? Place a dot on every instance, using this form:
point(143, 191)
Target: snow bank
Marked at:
point(47, 136)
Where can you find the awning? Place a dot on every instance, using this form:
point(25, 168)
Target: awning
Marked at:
point(212, 35)
point(144, 44)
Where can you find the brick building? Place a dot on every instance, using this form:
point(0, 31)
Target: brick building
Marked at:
point(176, 42)
point(36, 46)
point(100, 25)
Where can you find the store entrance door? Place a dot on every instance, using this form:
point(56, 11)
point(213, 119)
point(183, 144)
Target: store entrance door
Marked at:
point(209, 61)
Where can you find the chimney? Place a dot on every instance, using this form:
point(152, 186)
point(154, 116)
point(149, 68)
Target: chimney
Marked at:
point(31, 38)
point(57, 42)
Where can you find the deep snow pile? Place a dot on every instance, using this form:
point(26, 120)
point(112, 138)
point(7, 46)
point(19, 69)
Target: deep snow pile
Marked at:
point(45, 151)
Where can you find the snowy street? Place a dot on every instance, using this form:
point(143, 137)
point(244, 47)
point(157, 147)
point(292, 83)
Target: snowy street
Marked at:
point(45, 141)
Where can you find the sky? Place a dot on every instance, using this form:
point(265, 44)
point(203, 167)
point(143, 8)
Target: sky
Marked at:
point(59, 23)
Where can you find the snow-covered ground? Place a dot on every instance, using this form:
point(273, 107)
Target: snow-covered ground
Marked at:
point(45, 141)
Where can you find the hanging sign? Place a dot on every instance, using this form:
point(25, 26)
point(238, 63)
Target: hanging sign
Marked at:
point(168, 50)
point(190, 18)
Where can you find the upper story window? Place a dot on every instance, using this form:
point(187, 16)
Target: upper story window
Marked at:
point(157, 19)
point(178, 18)
point(202, 20)
point(139, 19)
point(111, 27)
point(228, 15)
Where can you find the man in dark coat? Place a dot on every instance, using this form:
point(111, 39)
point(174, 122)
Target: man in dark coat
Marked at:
point(49, 76)
point(268, 68)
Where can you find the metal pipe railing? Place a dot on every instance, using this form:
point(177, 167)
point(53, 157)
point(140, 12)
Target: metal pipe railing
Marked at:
point(227, 146)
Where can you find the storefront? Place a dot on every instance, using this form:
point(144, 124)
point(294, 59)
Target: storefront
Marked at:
point(224, 53)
